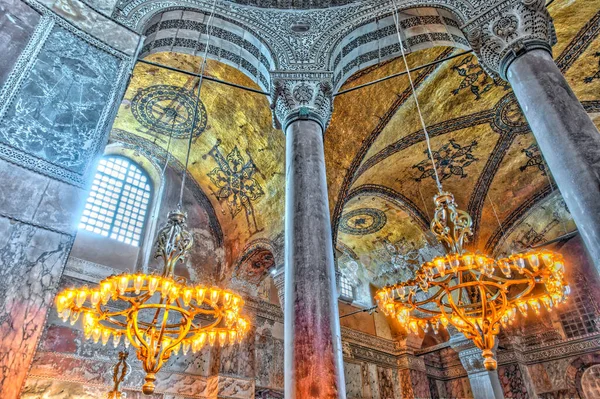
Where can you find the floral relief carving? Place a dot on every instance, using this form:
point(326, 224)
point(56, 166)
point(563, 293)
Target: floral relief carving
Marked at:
point(510, 28)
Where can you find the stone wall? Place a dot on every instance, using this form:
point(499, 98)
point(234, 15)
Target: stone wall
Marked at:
point(58, 91)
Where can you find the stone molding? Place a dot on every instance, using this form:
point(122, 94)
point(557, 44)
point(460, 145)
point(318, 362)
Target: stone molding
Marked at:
point(527, 356)
point(279, 281)
point(85, 270)
point(508, 30)
point(301, 96)
point(263, 309)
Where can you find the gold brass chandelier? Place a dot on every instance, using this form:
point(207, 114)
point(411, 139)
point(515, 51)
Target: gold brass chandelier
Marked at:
point(159, 314)
point(472, 292)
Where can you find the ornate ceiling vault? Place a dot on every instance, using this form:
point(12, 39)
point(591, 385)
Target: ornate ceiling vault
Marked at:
point(482, 144)
point(237, 156)
point(380, 182)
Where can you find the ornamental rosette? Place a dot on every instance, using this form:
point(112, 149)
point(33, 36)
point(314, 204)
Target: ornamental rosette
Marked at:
point(305, 96)
point(508, 30)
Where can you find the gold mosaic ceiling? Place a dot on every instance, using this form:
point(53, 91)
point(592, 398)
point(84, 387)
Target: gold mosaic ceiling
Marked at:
point(485, 153)
point(380, 183)
point(237, 156)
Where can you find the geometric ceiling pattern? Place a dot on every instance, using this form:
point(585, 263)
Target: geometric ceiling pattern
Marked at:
point(379, 178)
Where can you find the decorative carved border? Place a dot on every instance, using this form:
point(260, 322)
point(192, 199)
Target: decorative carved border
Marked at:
point(21, 70)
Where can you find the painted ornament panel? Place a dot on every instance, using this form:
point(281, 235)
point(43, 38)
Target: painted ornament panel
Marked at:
point(57, 113)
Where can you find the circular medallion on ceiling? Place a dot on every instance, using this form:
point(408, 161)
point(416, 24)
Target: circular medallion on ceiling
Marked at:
point(165, 109)
point(363, 221)
point(509, 115)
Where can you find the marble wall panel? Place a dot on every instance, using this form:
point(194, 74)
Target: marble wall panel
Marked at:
point(31, 262)
point(53, 366)
point(237, 388)
point(433, 388)
point(386, 382)
point(105, 7)
point(17, 24)
point(55, 389)
point(97, 25)
point(511, 379)
point(239, 360)
point(405, 383)
point(420, 384)
point(58, 113)
point(267, 393)
point(366, 387)
point(269, 361)
point(372, 381)
point(539, 378)
point(458, 388)
point(441, 389)
point(353, 378)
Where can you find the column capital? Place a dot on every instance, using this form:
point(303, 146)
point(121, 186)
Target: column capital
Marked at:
point(508, 30)
point(469, 354)
point(301, 96)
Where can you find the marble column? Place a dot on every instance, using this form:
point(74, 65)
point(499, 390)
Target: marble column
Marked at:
point(484, 384)
point(515, 40)
point(313, 358)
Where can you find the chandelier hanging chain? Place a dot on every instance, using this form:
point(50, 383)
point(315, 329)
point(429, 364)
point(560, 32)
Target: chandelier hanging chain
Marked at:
point(414, 94)
point(119, 373)
point(498, 220)
point(195, 118)
point(168, 157)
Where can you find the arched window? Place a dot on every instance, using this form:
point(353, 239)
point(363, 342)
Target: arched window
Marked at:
point(118, 201)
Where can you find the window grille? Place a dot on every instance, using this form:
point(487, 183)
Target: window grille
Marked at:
point(118, 201)
point(346, 289)
point(578, 314)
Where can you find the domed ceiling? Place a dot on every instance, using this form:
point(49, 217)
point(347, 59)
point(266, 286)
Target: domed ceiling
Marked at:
point(380, 180)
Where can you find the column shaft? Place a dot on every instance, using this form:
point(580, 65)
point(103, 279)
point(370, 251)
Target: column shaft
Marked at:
point(313, 357)
point(567, 138)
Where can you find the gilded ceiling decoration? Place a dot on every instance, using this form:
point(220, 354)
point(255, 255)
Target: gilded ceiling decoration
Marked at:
point(168, 110)
point(380, 182)
point(237, 156)
point(481, 141)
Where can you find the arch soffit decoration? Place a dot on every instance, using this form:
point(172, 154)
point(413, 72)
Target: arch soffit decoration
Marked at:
point(290, 50)
point(175, 29)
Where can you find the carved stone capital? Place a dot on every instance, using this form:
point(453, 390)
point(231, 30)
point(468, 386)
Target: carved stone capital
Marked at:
point(301, 96)
point(411, 362)
point(470, 355)
point(508, 30)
